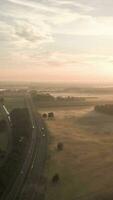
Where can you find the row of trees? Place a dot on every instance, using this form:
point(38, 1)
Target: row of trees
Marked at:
point(48, 115)
point(46, 97)
point(107, 109)
point(42, 97)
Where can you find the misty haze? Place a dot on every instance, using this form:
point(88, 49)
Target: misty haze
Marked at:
point(56, 100)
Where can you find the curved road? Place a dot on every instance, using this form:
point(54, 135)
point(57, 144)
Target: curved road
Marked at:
point(34, 162)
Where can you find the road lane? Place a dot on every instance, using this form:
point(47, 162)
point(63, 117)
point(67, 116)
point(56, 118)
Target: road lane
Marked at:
point(34, 158)
point(38, 163)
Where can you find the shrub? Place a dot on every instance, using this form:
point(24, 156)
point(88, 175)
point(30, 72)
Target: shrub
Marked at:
point(55, 178)
point(51, 115)
point(44, 116)
point(60, 146)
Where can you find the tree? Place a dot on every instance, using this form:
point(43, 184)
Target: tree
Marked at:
point(106, 109)
point(60, 146)
point(44, 116)
point(51, 115)
point(55, 179)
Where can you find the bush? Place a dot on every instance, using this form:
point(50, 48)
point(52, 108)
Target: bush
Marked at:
point(106, 109)
point(55, 178)
point(51, 115)
point(60, 146)
point(44, 116)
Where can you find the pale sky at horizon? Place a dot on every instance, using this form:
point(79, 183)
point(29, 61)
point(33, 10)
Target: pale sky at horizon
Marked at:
point(56, 40)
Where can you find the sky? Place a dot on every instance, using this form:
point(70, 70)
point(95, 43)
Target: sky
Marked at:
point(56, 40)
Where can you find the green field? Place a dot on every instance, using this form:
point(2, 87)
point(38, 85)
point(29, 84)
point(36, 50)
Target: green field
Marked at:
point(3, 141)
point(12, 102)
point(85, 166)
point(3, 137)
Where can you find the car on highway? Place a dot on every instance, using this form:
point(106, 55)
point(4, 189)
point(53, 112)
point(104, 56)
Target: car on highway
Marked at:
point(43, 134)
point(32, 166)
point(22, 172)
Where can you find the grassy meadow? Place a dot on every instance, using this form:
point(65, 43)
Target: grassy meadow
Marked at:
point(85, 165)
point(12, 102)
point(3, 141)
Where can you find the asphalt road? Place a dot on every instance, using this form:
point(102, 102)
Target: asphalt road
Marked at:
point(30, 188)
point(34, 162)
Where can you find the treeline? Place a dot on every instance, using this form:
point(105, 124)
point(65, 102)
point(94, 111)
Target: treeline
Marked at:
point(49, 97)
point(46, 99)
point(21, 132)
point(69, 98)
point(42, 97)
point(106, 109)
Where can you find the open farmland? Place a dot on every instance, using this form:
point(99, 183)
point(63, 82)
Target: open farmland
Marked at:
point(3, 141)
point(12, 102)
point(3, 136)
point(85, 165)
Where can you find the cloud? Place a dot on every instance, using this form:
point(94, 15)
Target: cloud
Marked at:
point(32, 33)
point(75, 6)
point(22, 31)
point(55, 34)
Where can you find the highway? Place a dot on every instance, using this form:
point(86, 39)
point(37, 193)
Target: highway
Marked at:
point(34, 162)
point(30, 187)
